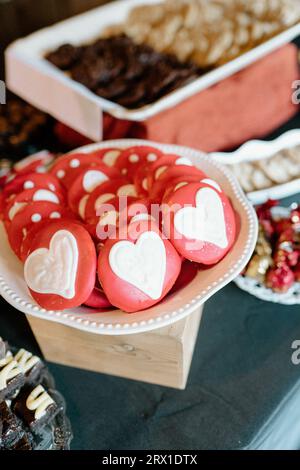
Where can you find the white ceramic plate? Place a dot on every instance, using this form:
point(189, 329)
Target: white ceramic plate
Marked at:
point(255, 150)
point(174, 307)
point(45, 86)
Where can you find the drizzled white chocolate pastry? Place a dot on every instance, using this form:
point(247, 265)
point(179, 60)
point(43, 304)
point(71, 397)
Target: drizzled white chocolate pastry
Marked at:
point(26, 360)
point(39, 401)
point(9, 369)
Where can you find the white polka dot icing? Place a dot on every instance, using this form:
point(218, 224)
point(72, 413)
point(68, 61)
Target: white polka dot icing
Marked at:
point(151, 157)
point(45, 195)
point(74, 163)
point(110, 157)
point(55, 215)
point(134, 158)
point(60, 174)
point(28, 185)
point(36, 218)
point(180, 185)
point(127, 190)
point(103, 199)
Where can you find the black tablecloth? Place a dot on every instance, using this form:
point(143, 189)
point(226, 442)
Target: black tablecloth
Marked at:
point(243, 390)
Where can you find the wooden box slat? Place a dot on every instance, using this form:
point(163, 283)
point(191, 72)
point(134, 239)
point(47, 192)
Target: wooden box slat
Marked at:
point(160, 356)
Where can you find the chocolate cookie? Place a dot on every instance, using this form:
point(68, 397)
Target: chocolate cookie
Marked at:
point(118, 69)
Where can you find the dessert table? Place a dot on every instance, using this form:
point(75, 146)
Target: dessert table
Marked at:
point(243, 389)
point(241, 377)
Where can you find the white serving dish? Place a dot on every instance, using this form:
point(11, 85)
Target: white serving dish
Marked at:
point(173, 308)
point(255, 150)
point(49, 89)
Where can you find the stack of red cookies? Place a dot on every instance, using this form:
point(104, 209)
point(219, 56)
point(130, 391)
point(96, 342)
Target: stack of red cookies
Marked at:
point(113, 227)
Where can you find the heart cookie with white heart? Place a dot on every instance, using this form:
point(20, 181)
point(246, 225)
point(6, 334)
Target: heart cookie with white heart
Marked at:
point(200, 221)
point(61, 267)
point(138, 268)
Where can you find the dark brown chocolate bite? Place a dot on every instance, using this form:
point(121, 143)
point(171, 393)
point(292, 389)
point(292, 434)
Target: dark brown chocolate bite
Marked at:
point(35, 407)
point(10, 427)
point(117, 69)
point(32, 367)
point(24, 443)
point(11, 377)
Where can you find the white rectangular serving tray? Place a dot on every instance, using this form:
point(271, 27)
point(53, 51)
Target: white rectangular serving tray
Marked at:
point(29, 75)
point(255, 150)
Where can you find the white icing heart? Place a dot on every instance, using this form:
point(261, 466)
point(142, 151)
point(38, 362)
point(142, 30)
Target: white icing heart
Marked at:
point(180, 185)
point(15, 209)
point(206, 221)
point(102, 199)
point(183, 161)
point(212, 183)
point(82, 205)
point(142, 264)
point(45, 195)
point(54, 270)
point(110, 157)
point(127, 190)
point(92, 179)
point(160, 171)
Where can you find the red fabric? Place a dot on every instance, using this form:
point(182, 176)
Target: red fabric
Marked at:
point(247, 105)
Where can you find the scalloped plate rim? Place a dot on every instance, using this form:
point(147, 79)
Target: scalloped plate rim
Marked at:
point(69, 318)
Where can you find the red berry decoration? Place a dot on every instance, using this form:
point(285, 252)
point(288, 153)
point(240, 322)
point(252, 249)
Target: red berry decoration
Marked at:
point(280, 279)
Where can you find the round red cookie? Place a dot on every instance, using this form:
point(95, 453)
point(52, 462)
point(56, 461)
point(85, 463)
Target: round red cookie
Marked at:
point(104, 193)
point(138, 270)
point(183, 180)
point(158, 188)
point(61, 267)
point(132, 158)
point(37, 162)
point(141, 181)
point(32, 181)
point(85, 183)
point(19, 201)
point(67, 167)
point(98, 299)
point(110, 155)
point(111, 214)
point(31, 214)
point(200, 222)
point(189, 271)
point(158, 167)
